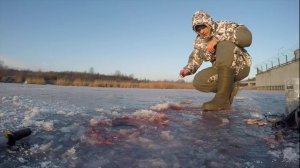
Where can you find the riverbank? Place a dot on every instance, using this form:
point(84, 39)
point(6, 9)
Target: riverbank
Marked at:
point(87, 79)
point(91, 80)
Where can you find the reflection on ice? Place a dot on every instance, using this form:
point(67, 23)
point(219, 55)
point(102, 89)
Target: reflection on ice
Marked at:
point(141, 128)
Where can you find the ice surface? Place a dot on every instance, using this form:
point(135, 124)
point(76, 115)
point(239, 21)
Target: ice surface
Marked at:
point(290, 154)
point(100, 127)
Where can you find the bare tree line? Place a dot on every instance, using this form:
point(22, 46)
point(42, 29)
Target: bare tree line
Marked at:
point(89, 78)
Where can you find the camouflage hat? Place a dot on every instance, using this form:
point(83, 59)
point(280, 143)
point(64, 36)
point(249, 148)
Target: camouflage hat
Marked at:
point(202, 18)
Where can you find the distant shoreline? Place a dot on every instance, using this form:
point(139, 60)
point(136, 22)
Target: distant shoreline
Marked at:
point(87, 79)
point(114, 84)
point(91, 80)
point(146, 85)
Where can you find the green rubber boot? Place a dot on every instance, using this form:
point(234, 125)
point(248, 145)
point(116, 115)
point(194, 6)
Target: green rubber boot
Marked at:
point(225, 85)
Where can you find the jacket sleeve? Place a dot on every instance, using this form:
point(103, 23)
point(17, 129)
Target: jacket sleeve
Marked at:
point(194, 61)
point(236, 33)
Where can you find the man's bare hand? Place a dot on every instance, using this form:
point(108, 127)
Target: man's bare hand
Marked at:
point(211, 46)
point(184, 72)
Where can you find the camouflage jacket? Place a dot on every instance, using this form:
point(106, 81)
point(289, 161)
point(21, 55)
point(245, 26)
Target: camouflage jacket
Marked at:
point(222, 31)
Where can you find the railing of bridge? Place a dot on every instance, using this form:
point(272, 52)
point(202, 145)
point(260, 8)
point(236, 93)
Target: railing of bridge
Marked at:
point(261, 70)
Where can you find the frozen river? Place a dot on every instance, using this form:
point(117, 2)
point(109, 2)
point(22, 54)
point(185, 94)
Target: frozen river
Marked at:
point(110, 128)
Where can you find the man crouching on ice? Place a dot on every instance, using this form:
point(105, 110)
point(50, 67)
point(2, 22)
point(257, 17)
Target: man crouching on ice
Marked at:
point(222, 44)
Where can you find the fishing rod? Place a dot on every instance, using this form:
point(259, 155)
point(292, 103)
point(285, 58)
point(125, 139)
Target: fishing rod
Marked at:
point(11, 137)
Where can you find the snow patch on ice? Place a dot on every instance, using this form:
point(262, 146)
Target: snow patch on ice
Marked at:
point(45, 164)
point(290, 154)
point(29, 115)
point(275, 153)
point(257, 115)
point(36, 148)
point(21, 160)
point(61, 112)
point(45, 147)
point(166, 106)
point(166, 135)
point(70, 114)
point(240, 97)
point(71, 128)
point(115, 113)
point(65, 113)
point(99, 109)
point(71, 151)
point(70, 154)
point(144, 113)
point(16, 101)
point(32, 113)
point(100, 120)
point(116, 108)
point(45, 125)
point(151, 116)
point(15, 98)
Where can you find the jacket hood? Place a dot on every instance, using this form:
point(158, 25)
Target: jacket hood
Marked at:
point(202, 18)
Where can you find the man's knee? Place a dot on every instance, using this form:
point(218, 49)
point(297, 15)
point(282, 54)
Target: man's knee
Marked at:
point(243, 36)
point(201, 80)
point(202, 85)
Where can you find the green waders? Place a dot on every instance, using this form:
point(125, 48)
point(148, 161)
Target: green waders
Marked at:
point(225, 86)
